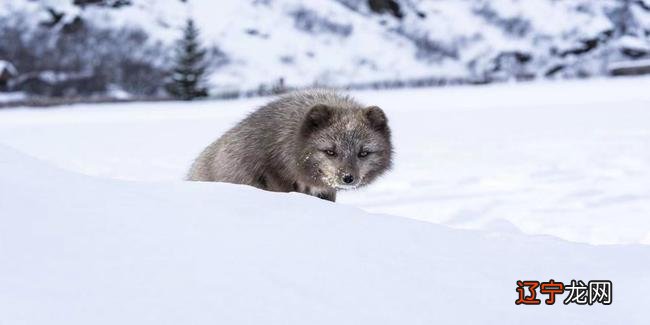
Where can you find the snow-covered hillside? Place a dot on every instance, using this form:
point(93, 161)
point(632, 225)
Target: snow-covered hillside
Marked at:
point(567, 159)
point(343, 42)
point(83, 250)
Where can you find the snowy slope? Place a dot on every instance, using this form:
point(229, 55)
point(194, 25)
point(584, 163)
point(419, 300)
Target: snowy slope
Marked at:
point(568, 159)
point(83, 250)
point(341, 42)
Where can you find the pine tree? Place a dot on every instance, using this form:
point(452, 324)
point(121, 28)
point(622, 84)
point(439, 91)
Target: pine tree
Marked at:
point(187, 81)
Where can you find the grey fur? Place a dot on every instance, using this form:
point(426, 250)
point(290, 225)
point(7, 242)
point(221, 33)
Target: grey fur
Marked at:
point(287, 146)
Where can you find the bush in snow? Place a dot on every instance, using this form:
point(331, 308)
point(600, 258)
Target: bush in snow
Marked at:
point(104, 3)
point(515, 26)
point(389, 6)
point(309, 21)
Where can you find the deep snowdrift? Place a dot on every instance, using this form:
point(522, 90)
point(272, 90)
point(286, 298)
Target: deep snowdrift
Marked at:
point(83, 250)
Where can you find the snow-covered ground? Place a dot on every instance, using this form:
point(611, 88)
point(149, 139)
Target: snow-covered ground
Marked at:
point(84, 250)
point(565, 159)
point(130, 243)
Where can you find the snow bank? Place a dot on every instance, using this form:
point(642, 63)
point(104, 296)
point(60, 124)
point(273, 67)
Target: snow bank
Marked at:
point(83, 250)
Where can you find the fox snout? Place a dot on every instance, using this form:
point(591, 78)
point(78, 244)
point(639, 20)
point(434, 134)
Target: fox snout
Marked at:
point(347, 179)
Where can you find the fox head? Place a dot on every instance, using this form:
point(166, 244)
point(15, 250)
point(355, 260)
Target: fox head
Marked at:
point(344, 148)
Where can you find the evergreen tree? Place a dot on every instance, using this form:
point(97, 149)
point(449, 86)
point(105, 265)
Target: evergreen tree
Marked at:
point(187, 80)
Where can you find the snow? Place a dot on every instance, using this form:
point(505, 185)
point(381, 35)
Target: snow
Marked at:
point(11, 96)
point(630, 42)
point(629, 64)
point(264, 43)
point(5, 65)
point(507, 183)
point(87, 250)
point(566, 159)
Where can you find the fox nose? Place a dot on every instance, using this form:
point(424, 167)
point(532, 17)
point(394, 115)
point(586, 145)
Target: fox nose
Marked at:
point(348, 179)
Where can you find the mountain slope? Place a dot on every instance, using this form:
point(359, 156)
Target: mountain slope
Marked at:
point(343, 42)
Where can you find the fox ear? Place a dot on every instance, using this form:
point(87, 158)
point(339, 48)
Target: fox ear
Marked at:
point(376, 117)
point(318, 117)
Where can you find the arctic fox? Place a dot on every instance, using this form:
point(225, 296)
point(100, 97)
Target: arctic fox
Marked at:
point(314, 142)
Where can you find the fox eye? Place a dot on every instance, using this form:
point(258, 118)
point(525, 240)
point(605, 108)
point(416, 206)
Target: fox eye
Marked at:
point(330, 152)
point(363, 153)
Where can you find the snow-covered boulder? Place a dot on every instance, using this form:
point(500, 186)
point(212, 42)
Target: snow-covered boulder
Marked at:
point(7, 72)
point(6, 68)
